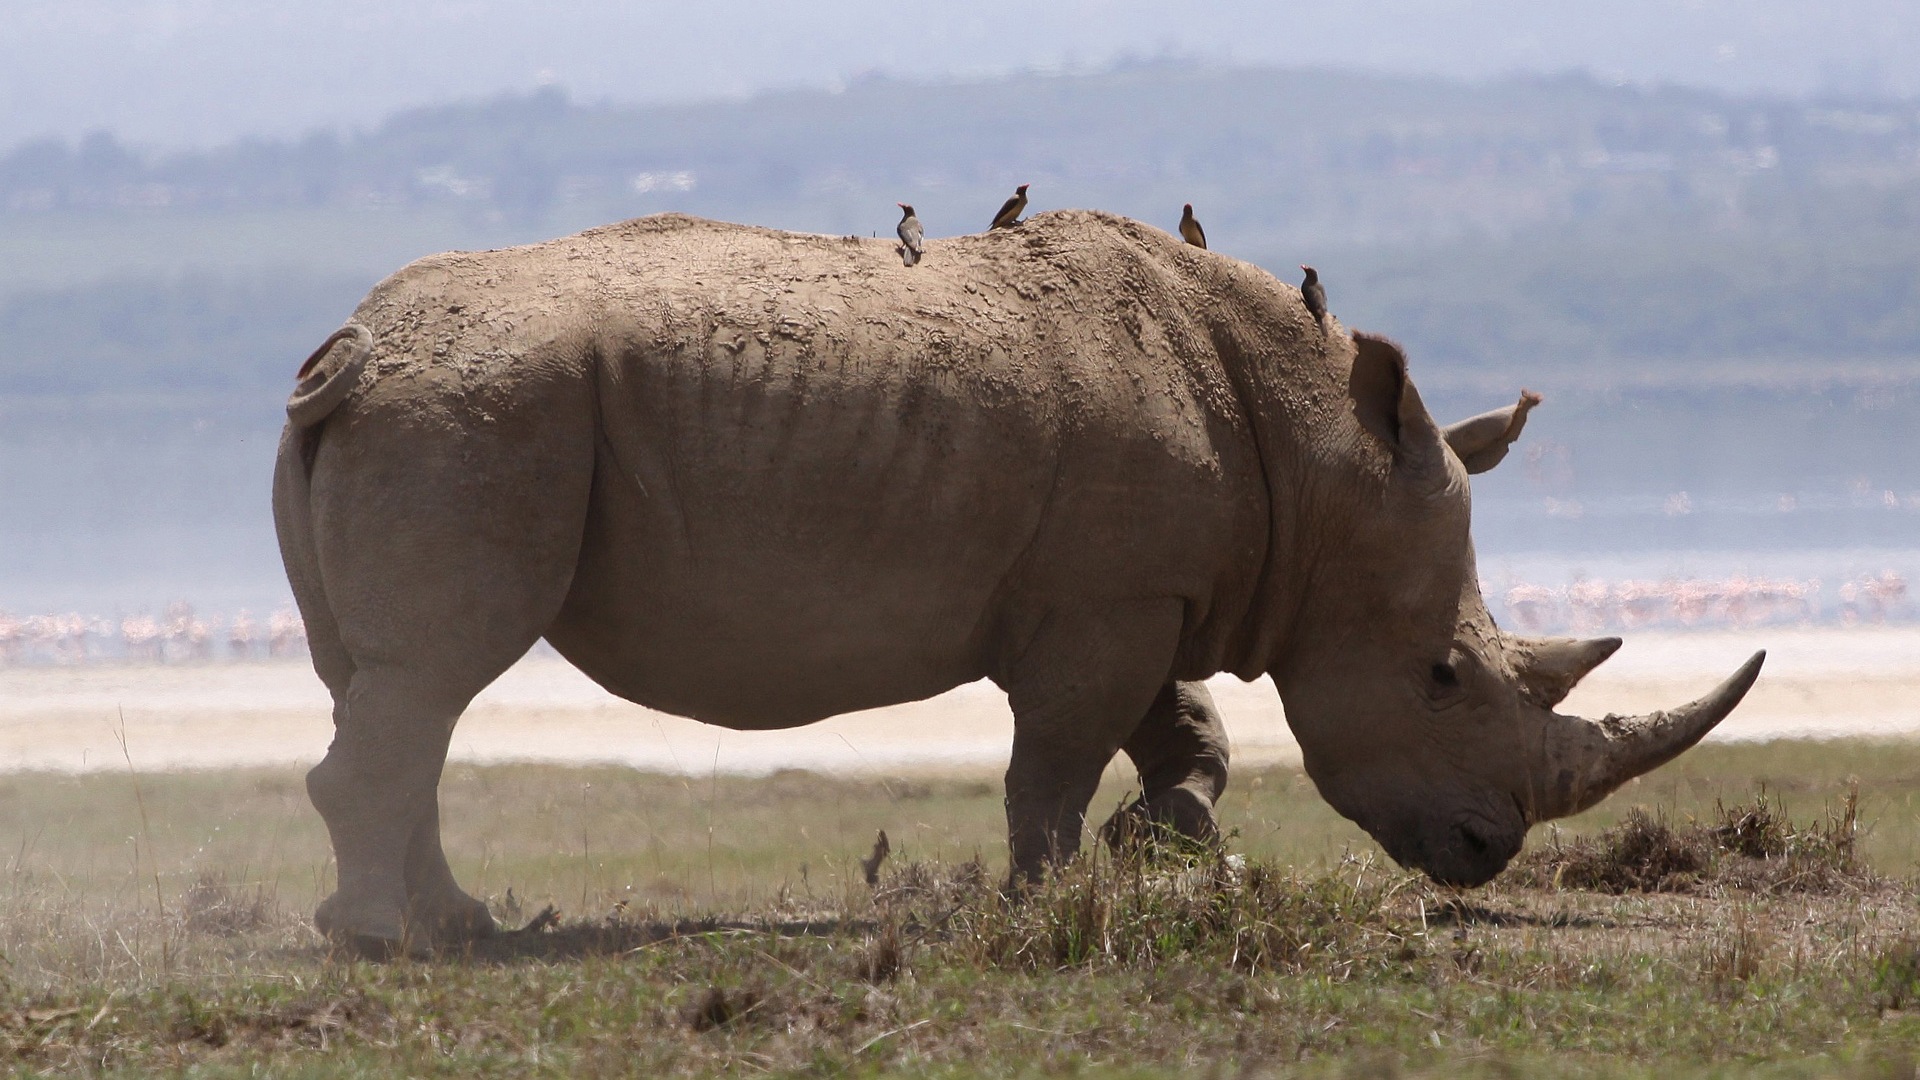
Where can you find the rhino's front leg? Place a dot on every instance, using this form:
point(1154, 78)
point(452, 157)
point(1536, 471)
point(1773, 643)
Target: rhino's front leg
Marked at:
point(1180, 749)
point(1077, 691)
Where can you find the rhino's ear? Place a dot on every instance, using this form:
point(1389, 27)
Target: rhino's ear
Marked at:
point(1376, 384)
point(1480, 442)
point(1387, 405)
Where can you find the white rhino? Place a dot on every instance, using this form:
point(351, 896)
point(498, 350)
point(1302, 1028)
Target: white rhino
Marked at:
point(759, 478)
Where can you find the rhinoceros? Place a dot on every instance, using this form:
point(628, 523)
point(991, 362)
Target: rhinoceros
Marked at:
point(759, 478)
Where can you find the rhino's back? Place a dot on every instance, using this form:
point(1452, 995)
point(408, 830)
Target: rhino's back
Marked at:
point(828, 481)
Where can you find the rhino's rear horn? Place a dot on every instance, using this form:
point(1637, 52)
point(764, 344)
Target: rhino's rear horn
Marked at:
point(1549, 668)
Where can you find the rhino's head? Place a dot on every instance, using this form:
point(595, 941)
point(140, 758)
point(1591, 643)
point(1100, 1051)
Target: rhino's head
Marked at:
point(1418, 718)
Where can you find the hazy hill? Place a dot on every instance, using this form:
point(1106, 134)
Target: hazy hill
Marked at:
point(1551, 220)
point(206, 71)
point(1560, 220)
point(1289, 157)
point(1720, 294)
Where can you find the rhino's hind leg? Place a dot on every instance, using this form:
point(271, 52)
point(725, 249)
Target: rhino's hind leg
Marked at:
point(437, 558)
point(1077, 692)
point(1180, 749)
point(378, 786)
point(378, 791)
point(438, 909)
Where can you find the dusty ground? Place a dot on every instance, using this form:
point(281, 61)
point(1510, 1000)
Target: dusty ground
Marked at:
point(716, 924)
point(1821, 683)
point(720, 925)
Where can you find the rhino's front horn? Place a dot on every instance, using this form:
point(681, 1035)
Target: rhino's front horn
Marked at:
point(1585, 760)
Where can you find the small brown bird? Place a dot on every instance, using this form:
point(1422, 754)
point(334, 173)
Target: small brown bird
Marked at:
point(912, 239)
point(1315, 294)
point(1010, 210)
point(1190, 229)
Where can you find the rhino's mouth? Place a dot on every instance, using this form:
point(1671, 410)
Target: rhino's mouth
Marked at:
point(1469, 856)
point(1483, 848)
point(1468, 851)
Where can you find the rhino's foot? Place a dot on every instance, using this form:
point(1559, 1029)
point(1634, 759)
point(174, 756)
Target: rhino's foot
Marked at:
point(372, 930)
point(380, 932)
point(1177, 817)
point(438, 921)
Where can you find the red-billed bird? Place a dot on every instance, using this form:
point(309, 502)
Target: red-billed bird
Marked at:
point(1009, 214)
point(1190, 229)
point(1315, 295)
point(912, 239)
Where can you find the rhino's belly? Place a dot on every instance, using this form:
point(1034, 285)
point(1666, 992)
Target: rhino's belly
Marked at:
point(780, 672)
point(749, 610)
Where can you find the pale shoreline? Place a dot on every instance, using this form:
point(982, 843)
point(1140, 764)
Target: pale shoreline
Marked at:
point(1818, 683)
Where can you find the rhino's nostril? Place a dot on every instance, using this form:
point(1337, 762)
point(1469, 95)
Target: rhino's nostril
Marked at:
point(1475, 842)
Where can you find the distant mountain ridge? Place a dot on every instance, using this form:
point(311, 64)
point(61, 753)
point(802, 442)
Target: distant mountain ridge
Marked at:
point(1719, 295)
point(1524, 222)
point(207, 71)
point(1272, 156)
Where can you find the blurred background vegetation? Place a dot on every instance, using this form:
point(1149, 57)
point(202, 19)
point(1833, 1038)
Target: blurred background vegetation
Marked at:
point(1719, 294)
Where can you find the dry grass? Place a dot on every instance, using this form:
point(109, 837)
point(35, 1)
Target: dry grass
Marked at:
point(1751, 846)
point(724, 926)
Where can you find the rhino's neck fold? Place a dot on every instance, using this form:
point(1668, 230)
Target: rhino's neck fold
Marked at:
point(1297, 411)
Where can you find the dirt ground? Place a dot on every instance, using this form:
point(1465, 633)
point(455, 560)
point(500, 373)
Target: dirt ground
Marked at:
point(1822, 683)
point(1730, 915)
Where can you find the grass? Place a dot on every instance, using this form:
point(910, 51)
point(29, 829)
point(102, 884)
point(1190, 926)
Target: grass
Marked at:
point(1752, 845)
point(1741, 912)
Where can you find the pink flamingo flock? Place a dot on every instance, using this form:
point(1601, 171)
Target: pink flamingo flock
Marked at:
point(1588, 605)
point(1740, 601)
point(176, 636)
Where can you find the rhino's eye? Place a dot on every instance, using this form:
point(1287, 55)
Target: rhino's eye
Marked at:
point(1446, 682)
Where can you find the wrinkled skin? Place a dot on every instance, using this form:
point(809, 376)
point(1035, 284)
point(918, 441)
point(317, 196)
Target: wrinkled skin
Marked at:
point(758, 479)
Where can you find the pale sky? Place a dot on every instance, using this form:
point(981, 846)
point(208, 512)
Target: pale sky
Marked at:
point(178, 72)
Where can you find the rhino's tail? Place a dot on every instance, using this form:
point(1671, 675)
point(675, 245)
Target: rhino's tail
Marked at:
point(329, 375)
point(326, 379)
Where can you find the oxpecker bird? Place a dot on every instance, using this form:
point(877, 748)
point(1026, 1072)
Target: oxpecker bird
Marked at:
point(911, 238)
point(1009, 214)
point(1190, 230)
point(1315, 294)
